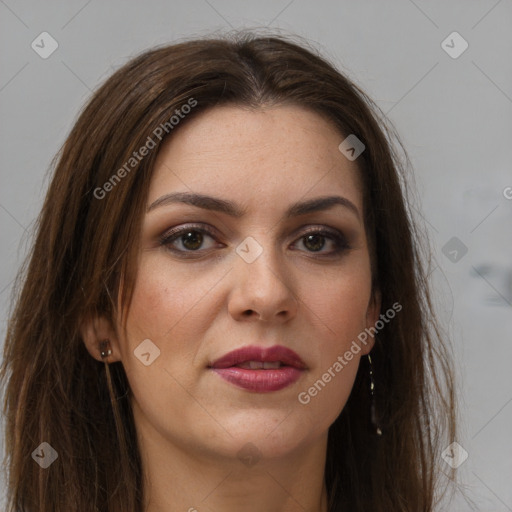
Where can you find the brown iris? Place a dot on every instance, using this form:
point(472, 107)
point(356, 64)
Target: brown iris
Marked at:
point(314, 242)
point(192, 240)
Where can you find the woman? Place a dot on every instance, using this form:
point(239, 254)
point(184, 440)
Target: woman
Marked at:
point(225, 308)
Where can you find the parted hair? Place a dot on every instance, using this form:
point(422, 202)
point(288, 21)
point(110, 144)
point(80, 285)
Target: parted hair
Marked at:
point(84, 259)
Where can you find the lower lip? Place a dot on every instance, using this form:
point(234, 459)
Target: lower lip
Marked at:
point(261, 381)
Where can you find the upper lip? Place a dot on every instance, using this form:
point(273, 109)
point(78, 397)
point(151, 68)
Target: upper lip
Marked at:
point(264, 354)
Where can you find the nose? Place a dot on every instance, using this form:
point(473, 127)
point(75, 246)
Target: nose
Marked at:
point(263, 290)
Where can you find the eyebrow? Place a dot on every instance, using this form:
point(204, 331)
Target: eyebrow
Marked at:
point(232, 209)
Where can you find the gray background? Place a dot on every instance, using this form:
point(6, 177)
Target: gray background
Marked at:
point(453, 114)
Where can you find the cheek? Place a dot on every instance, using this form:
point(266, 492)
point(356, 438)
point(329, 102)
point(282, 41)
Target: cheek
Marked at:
point(338, 309)
point(338, 304)
point(174, 308)
point(164, 300)
point(165, 309)
point(169, 309)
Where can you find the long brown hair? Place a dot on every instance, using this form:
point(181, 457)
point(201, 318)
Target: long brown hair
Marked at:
point(85, 248)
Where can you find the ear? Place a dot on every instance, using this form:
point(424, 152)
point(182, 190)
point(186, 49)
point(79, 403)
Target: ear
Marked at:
point(96, 329)
point(372, 315)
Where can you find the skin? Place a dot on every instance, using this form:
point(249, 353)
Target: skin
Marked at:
point(192, 424)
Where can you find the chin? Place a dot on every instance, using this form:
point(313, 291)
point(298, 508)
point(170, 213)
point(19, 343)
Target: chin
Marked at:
point(273, 433)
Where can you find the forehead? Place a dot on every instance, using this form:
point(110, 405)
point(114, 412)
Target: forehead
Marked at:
point(280, 154)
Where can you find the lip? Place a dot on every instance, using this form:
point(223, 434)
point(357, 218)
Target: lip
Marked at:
point(260, 380)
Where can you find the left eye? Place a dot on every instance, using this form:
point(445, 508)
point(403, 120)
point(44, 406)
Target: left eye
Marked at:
point(191, 239)
point(314, 241)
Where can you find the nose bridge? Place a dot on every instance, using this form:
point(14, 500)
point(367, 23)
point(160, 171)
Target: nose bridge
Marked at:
point(259, 258)
point(263, 284)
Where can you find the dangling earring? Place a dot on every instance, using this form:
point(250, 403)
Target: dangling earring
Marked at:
point(373, 411)
point(105, 349)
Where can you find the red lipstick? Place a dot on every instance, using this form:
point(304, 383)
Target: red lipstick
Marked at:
point(260, 369)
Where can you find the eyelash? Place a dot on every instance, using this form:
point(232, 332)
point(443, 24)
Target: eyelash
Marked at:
point(340, 242)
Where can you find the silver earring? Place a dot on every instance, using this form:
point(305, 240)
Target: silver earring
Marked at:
point(105, 349)
point(373, 411)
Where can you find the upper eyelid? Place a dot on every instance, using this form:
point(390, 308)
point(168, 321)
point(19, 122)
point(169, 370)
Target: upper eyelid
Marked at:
point(213, 231)
point(192, 227)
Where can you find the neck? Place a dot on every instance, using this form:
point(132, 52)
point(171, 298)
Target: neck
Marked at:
point(180, 478)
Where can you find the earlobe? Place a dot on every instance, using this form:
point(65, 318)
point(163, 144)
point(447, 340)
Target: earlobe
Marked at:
point(105, 349)
point(100, 339)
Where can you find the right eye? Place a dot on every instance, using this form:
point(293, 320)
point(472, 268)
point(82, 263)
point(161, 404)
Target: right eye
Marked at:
point(186, 239)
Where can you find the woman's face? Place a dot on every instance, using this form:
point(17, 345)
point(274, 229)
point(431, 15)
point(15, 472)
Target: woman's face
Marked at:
point(237, 265)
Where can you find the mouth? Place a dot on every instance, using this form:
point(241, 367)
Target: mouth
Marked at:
point(260, 369)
